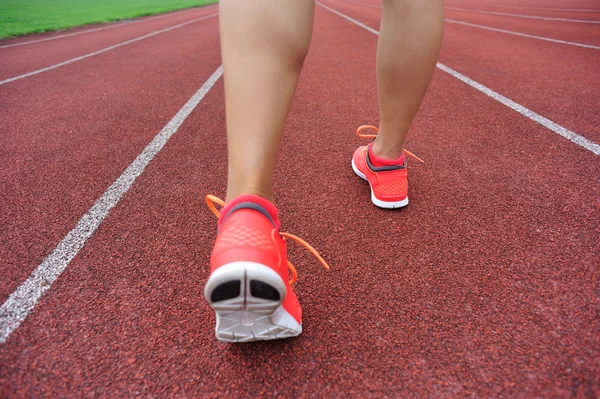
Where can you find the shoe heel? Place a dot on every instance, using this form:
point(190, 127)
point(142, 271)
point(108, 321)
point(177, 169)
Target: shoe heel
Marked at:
point(246, 298)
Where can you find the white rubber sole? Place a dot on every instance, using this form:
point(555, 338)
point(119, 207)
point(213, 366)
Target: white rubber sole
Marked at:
point(377, 202)
point(245, 314)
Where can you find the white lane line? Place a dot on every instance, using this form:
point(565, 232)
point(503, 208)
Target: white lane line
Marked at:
point(104, 50)
point(510, 32)
point(541, 8)
point(547, 123)
point(22, 301)
point(488, 5)
point(506, 14)
point(116, 24)
point(366, 4)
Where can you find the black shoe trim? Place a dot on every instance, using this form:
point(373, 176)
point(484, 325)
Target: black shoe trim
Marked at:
point(249, 205)
point(384, 168)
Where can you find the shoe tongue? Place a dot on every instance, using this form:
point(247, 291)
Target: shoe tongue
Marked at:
point(251, 201)
point(377, 161)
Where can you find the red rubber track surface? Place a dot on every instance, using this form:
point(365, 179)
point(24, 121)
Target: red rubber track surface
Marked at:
point(70, 132)
point(566, 31)
point(27, 58)
point(534, 73)
point(579, 16)
point(580, 11)
point(92, 27)
point(485, 285)
point(576, 4)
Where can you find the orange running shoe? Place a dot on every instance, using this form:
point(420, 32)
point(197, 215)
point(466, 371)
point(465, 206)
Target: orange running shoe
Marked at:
point(249, 286)
point(388, 179)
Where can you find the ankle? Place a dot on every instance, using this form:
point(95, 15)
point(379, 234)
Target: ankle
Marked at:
point(264, 203)
point(236, 191)
point(388, 152)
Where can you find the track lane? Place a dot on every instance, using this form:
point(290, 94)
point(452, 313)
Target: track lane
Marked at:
point(562, 31)
point(537, 3)
point(551, 79)
point(58, 34)
point(515, 33)
point(71, 133)
point(517, 6)
point(79, 30)
point(543, 8)
point(549, 11)
point(20, 60)
point(552, 17)
point(483, 286)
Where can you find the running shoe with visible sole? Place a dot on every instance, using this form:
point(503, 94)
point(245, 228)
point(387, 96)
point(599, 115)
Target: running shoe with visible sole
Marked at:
point(389, 182)
point(249, 287)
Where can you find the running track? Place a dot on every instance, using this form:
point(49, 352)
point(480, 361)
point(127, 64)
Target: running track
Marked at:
point(486, 285)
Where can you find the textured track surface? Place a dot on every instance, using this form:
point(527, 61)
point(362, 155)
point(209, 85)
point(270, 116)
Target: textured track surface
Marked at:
point(486, 285)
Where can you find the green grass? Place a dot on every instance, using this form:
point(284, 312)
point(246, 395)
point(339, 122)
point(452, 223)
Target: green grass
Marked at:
point(19, 17)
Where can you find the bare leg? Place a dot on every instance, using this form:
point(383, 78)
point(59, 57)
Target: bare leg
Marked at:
point(409, 44)
point(263, 43)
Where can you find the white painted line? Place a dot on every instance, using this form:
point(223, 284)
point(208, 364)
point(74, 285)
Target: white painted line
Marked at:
point(105, 49)
point(365, 4)
point(510, 32)
point(21, 302)
point(542, 9)
point(506, 14)
point(373, 31)
point(492, 5)
point(547, 123)
point(116, 24)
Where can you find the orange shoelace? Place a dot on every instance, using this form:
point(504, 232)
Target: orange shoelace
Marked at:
point(211, 200)
point(372, 136)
